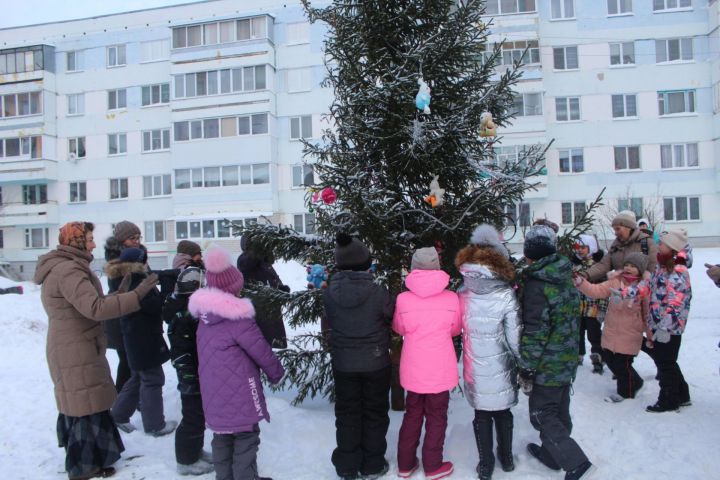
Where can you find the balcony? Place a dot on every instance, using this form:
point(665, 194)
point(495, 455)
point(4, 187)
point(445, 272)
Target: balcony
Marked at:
point(21, 215)
point(17, 171)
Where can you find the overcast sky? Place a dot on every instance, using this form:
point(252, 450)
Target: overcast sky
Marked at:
point(28, 12)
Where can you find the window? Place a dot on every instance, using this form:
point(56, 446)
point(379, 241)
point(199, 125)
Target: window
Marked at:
point(78, 192)
point(619, 7)
point(503, 7)
point(200, 84)
point(304, 223)
point(116, 56)
point(36, 238)
point(117, 143)
point(678, 209)
point(24, 147)
point(155, 94)
point(683, 155)
point(676, 102)
point(301, 127)
point(571, 161)
point(154, 50)
point(221, 127)
point(624, 106)
point(512, 52)
point(567, 109)
point(155, 231)
point(156, 185)
point(622, 53)
point(635, 205)
point(673, 50)
point(665, 5)
point(74, 61)
point(219, 32)
point(117, 99)
point(562, 9)
point(76, 104)
point(517, 215)
point(226, 176)
point(303, 175)
point(528, 104)
point(572, 212)
point(565, 58)
point(21, 104)
point(298, 33)
point(299, 80)
point(512, 155)
point(76, 147)
point(250, 28)
point(34, 194)
point(207, 228)
point(118, 188)
point(18, 60)
point(154, 140)
point(627, 158)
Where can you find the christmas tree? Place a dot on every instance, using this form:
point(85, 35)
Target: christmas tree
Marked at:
point(385, 146)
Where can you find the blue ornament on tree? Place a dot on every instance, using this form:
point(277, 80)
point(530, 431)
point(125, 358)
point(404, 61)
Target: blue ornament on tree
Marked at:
point(422, 99)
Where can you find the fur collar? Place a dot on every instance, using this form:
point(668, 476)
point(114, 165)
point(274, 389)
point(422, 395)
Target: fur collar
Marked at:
point(116, 269)
point(489, 257)
point(215, 301)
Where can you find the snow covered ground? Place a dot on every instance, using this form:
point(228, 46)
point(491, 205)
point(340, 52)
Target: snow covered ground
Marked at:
point(622, 439)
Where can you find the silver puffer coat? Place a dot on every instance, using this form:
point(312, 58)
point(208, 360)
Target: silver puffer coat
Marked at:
point(491, 337)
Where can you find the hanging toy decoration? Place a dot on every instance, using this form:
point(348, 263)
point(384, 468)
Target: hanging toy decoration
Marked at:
point(435, 199)
point(487, 126)
point(328, 195)
point(422, 99)
point(317, 276)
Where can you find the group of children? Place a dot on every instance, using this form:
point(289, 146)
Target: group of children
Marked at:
point(518, 332)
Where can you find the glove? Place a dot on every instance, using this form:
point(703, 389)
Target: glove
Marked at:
point(662, 336)
point(125, 283)
point(526, 379)
point(578, 280)
point(146, 286)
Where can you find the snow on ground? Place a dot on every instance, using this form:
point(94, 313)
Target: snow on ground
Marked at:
point(622, 439)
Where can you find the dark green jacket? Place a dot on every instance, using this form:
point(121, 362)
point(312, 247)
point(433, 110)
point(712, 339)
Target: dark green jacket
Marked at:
point(550, 341)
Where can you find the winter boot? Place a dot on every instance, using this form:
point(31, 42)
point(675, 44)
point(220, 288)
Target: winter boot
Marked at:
point(166, 429)
point(483, 427)
point(585, 470)
point(504, 432)
point(661, 407)
point(542, 455)
point(445, 470)
point(374, 476)
point(596, 363)
point(201, 467)
point(126, 427)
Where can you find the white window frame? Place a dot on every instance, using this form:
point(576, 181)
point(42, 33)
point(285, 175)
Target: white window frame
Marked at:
point(154, 51)
point(518, 214)
point(684, 45)
point(623, 54)
point(240, 79)
point(157, 185)
point(564, 104)
point(565, 67)
point(306, 221)
point(678, 156)
point(671, 211)
point(117, 99)
point(571, 154)
point(618, 7)
point(494, 7)
point(302, 171)
point(151, 230)
point(76, 147)
point(148, 139)
point(626, 97)
point(119, 184)
point(256, 26)
point(525, 111)
point(120, 56)
point(29, 237)
point(574, 214)
point(560, 8)
point(33, 98)
point(80, 192)
point(689, 97)
point(301, 123)
point(75, 104)
point(625, 158)
point(120, 144)
point(35, 194)
point(151, 91)
point(22, 148)
point(194, 130)
point(634, 204)
point(680, 5)
point(78, 60)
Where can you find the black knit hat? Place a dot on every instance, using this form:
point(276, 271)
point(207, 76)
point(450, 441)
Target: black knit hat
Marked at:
point(351, 253)
point(539, 242)
point(188, 248)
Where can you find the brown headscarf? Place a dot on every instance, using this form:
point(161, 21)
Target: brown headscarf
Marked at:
point(72, 234)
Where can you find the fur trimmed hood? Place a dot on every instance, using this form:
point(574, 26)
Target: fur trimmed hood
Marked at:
point(488, 256)
point(212, 305)
point(116, 269)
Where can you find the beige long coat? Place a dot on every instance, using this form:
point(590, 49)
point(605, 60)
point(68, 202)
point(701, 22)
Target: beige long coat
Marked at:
point(615, 258)
point(75, 306)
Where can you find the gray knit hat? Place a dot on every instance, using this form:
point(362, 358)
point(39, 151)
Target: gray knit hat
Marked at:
point(124, 230)
point(351, 253)
point(486, 235)
point(626, 218)
point(425, 259)
point(540, 241)
point(637, 259)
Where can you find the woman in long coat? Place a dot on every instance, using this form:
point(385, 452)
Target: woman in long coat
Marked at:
point(84, 390)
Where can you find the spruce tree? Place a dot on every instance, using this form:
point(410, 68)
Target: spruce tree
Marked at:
point(381, 152)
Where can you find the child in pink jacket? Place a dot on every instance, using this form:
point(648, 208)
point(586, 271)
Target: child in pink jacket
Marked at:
point(625, 322)
point(428, 316)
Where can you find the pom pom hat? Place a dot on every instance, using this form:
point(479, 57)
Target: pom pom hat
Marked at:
point(486, 235)
point(220, 272)
point(351, 253)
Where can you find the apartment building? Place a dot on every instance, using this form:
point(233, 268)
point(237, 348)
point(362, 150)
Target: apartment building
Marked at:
point(179, 118)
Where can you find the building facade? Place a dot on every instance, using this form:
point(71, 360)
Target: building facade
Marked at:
point(183, 117)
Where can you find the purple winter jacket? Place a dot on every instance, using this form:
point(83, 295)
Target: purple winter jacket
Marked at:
point(231, 352)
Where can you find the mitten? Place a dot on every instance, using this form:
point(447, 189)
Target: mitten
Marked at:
point(662, 336)
point(146, 285)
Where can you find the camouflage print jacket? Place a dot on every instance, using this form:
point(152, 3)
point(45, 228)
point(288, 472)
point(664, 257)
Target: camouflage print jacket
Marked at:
point(551, 305)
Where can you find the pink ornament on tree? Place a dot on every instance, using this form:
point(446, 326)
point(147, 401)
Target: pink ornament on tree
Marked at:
point(328, 195)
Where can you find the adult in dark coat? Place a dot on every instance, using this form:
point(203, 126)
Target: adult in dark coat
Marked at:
point(256, 267)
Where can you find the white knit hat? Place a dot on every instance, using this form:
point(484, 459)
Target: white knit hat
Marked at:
point(675, 239)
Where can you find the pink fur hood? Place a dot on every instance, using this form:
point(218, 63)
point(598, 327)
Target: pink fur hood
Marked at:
point(209, 303)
